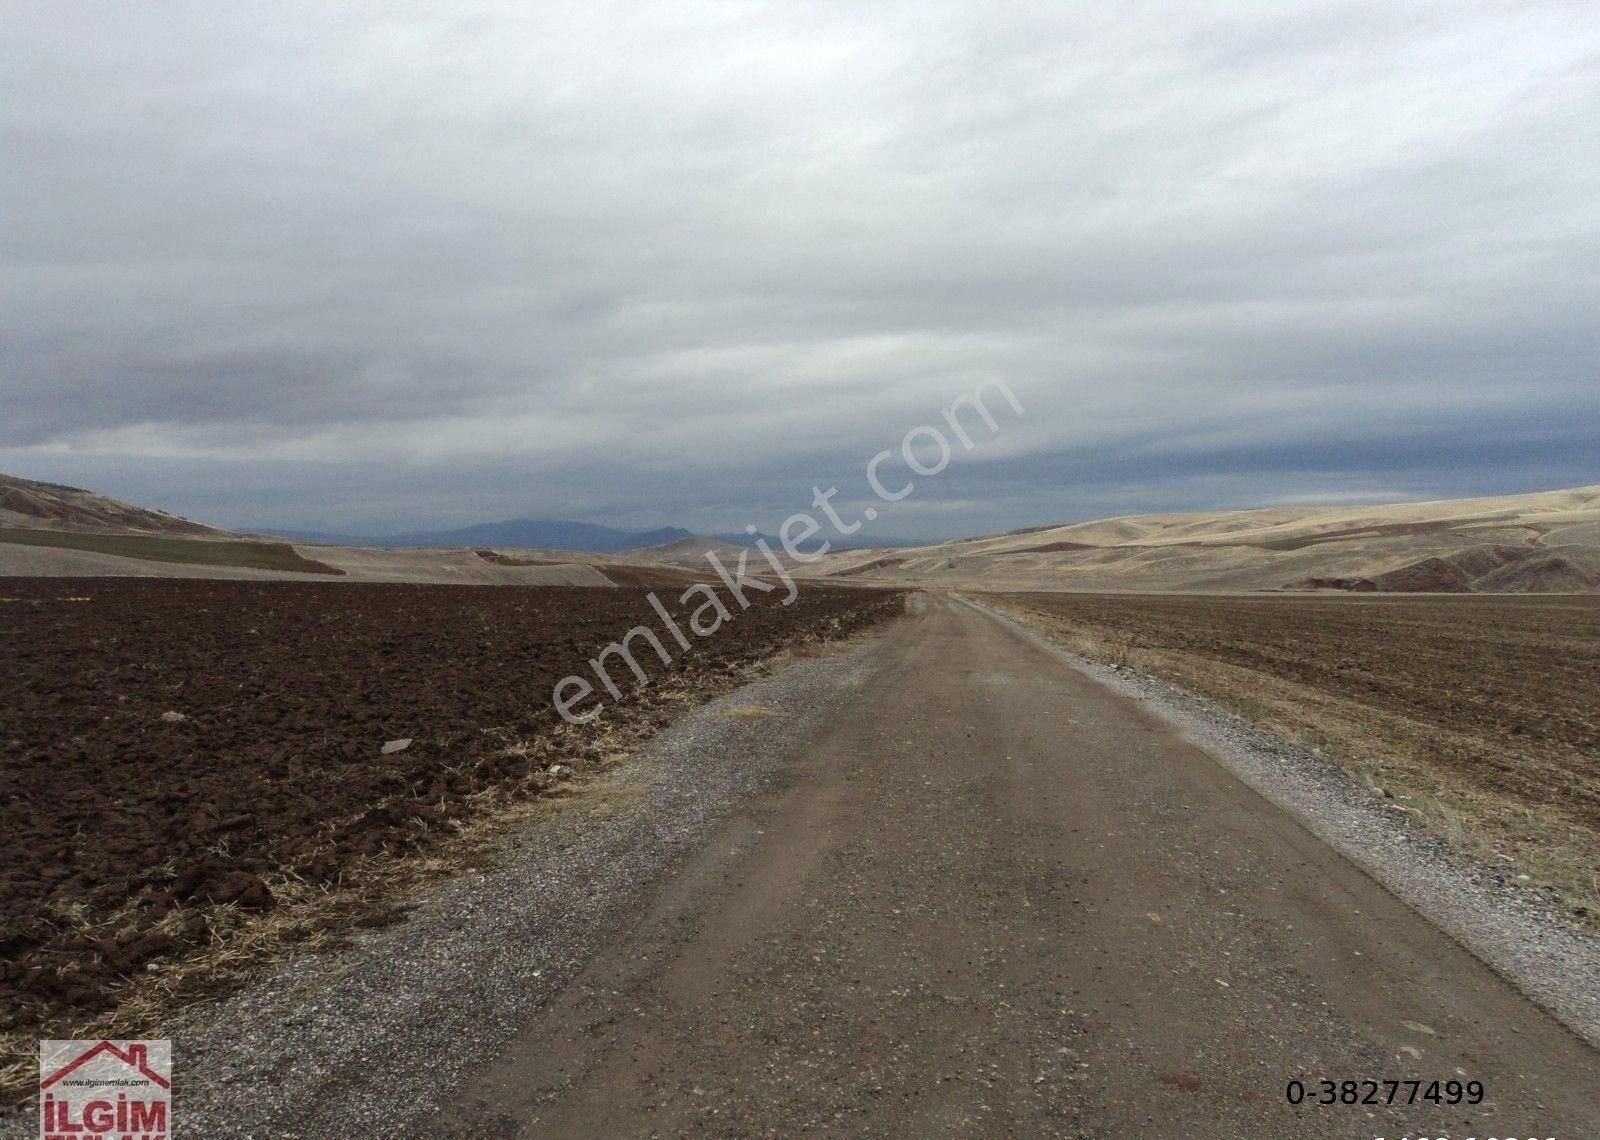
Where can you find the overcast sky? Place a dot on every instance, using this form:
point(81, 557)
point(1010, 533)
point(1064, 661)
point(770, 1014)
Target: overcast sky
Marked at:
point(394, 265)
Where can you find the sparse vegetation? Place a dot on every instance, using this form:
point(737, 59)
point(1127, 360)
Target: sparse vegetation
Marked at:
point(184, 551)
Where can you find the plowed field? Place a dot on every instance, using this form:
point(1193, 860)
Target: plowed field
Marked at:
point(176, 749)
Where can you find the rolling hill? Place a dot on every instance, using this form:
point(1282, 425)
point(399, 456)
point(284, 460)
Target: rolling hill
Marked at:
point(1538, 543)
point(55, 507)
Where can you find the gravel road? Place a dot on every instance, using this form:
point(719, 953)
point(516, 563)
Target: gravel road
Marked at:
point(992, 897)
point(950, 885)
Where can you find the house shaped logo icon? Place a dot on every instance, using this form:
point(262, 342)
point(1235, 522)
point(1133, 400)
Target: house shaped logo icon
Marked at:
point(105, 1090)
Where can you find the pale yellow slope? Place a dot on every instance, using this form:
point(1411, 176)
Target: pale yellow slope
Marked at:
point(1556, 533)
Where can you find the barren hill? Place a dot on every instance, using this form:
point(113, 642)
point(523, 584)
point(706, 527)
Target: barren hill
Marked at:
point(1539, 543)
point(52, 506)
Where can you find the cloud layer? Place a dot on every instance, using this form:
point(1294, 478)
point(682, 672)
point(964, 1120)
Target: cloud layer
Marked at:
point(404, 264)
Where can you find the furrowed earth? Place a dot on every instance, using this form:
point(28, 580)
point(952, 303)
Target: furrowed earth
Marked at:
point(182, 757)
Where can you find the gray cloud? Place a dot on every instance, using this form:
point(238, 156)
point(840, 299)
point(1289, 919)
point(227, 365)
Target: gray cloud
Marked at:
point(403, 264)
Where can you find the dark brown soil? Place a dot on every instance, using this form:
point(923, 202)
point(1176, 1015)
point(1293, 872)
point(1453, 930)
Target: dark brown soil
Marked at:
point(175, 746)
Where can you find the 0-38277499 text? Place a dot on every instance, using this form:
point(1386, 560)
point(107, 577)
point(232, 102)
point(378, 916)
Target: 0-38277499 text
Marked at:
point(1370, 1091)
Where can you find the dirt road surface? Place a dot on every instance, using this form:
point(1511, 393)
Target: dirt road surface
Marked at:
point(995, 899)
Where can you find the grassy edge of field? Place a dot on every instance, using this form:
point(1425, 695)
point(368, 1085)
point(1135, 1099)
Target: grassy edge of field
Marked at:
point(1387, 752)
point(313, 918)
point(241, 554)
